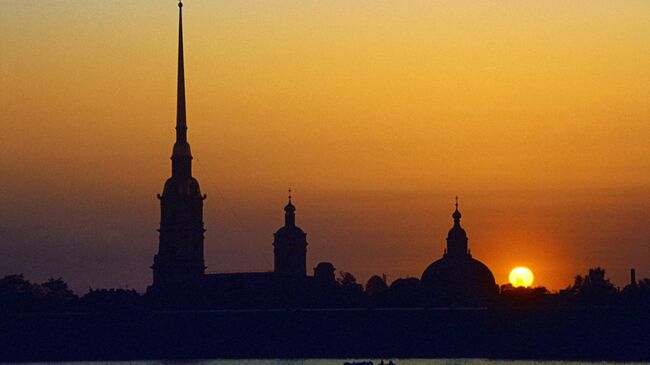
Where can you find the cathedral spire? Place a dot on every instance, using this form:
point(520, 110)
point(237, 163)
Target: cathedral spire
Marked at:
point(181, 123)
point(181, 156)
point(179, 263)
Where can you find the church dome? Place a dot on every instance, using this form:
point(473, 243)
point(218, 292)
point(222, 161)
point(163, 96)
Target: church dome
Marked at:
point(457, 277)
point(463, 277)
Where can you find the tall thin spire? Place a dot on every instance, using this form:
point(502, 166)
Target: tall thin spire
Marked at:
point(181, 123)
point(180, 262)
point(181, 156)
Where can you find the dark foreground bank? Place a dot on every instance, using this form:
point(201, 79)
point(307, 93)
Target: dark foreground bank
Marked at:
point(593, 334)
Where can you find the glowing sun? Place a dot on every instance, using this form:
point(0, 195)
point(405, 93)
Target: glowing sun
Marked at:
point(521, 276)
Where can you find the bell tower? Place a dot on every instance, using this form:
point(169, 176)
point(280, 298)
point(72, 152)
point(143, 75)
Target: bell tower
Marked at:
point(290, 246)
point(179, 262)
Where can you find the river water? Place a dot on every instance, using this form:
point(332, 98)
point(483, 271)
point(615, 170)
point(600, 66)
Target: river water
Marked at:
point(339, 362)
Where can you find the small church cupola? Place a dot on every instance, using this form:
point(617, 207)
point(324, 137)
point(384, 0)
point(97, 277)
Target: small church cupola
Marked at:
point(290, 246)
point(456, 215)
point(457, 237)
point(290, 213)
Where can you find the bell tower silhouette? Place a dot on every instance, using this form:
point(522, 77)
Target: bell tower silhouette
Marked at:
point(179, 262)
point(290, 246)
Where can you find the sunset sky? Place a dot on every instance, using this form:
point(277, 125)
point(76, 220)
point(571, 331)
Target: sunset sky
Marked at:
point(376, 113)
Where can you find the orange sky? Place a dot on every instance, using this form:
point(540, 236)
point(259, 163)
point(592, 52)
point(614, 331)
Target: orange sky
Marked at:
point(376, 112)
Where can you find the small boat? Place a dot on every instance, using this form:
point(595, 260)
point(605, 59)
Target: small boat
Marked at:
point(368, 363)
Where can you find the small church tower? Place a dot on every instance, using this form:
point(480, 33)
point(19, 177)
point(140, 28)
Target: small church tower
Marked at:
point(179, 261)
point(290, 246)
point(457, 238)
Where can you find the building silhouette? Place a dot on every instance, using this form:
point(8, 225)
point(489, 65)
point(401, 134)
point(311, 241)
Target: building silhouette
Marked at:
point(179, 261)
point(290, 246)
point(282, 286)
point(458, 278)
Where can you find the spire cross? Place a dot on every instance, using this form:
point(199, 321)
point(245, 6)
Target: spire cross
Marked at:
point(289, 195)
point(456, 202)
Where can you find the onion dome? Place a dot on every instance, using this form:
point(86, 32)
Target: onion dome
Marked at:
point(290, 228)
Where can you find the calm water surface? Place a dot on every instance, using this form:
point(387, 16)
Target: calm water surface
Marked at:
point(341, 361)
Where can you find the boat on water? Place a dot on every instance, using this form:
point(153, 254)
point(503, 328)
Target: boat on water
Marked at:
point(368, 363)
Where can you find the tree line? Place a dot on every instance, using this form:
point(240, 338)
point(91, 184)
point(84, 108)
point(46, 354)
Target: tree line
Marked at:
point(17, 294)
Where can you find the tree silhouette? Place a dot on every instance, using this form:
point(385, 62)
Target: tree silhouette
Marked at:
point(521, 296)
point(346, 280)
point(18, 294)
point(376, 285)
point(351, 292)
point(594, 288)
point(56, 294)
